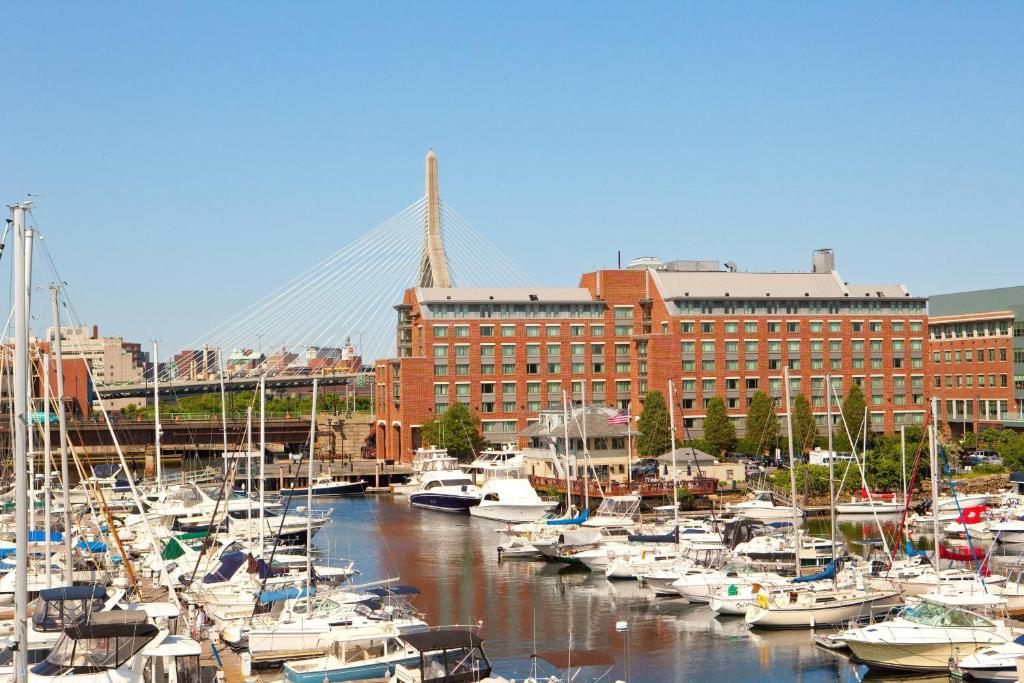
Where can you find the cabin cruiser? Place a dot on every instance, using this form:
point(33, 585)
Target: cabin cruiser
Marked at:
point(355, 654)
point(451, 655)
point(509, 497)
point(698, 584)
point(446, 490)
point(997, 664)
point(925, 636)
point(778, 549)
point(326, 485)
point(762, 506)
point(426, 459)
point(615, 511)
point(119, 645)
point(496, 461)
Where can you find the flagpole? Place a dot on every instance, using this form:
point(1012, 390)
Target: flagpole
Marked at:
point(629, 448)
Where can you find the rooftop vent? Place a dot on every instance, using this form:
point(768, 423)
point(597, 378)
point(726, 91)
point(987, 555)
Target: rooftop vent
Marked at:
point(644, 262)
point(534, 297)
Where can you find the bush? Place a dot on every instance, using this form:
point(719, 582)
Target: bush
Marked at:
point(988, 469)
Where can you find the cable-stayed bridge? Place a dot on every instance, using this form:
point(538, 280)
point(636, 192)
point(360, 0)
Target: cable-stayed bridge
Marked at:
point(334, 319)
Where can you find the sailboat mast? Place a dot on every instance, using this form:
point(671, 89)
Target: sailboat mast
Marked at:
point(29, 234)
point(309, 503)
point(263, 460)
point(586, 454)
point(792, 472)
point(675, 473)
point(65, 469)
point(934, 463)
point(568, 459)
point(47, 506)
point(223, 410)
point(21, 501)
point(831, 465)
point(156, 413)
point(248, 475)
point(903, 461)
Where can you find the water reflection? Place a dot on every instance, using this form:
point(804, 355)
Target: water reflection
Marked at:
point(528, 605)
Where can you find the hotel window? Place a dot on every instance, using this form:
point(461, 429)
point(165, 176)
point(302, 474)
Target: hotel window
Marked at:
point(508, 330)
point(897, 326)
point(440, 408)
point(915, 325)
point(597, 330)
point(750, 364)
point(774, 327)
point(623, 312)
point(533, 350)
point(834, 326)
point(708, 386)
point(533, 330)
point(750, 347)
point(991, 380)
point(686, 327)
point(774, 384)
point(877, 399)
point(577, 368)
point(487, 350)
point(1003, 379)
point(553, 330)
point(876, 346)
point(508, 368)
point(623, 386)
point(441, 370)
point(817, 345)
point(440, 331)
point(707, 327)
point(689, 347)
point(508, 406)
point(936, 357)
point(897, 346)
point(554, 388)
point(487, 368)
point(707, 365)
point(554, 368)
point(875, 326)
point(440, 351)
point(462, 350)
point(817, 364)
point(857, 346)
point(576, 349)
point(837, 363)
point(815, 326)
point(597, 388)
point(707, 347)
point(750, 327)
point(774, 364)
point(554, 350)
point(793, 346)
point(857, 326)
point(533, 406)
point(792, 327)
point(876, 363)
point(793, 364)
point(732, 364)
point(835, 347)
point(533, 387)
point(689, 385)
point(956, 356)
point(487, 330)
point(462, 389)
point(794, 385)
point(916, 344)
point(440, 390)
point(732, 328)
point(774, 346)
point(576, 330)
point(732, 347)
point(462, 330)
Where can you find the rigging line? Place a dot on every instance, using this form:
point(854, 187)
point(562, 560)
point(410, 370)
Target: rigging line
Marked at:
point(480, 239)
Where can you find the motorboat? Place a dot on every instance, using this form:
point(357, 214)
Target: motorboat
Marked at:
point(698, 584)
point(662, 579)
point(426, 459)
point(997, 664)
point(355, 655)
point(508, 496)
point(762, 506)
point(119, 645)
point(874, 506)
point(615, 511)
point(925, 636)
point(963, 500)
point(447, 490)
point(778, 549)
point(326, 485)
point(449, 655)
point(506, 461)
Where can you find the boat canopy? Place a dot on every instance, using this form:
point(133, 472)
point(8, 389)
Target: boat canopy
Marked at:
point(39, 536)
point(229, 564)
point(267, 597)
point(394, 590)
point(578, 519)
point(671, 537)
point(107, 469)
point(565, 659)
point(92, 546)
point(73, 593)
point(122, 623)
point(444, 639)
point(829, 572)
point(912, 552)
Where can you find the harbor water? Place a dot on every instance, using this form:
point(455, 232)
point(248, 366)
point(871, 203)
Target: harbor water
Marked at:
point(526, 606)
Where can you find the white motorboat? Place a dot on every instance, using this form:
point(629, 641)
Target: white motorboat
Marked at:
point(509, 497)
point(698, 584)
point(426, 459)
point(326, 485)
point(762, 506)
point(496, 462)
point(962, 501)
point(1010, 531)
point(734, 599)
point(997, 664)
point(924, 637)
point(615, 511)
point(869, 507)
point(355, 654)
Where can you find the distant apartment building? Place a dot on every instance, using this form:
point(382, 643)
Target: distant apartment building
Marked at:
point(111, 360)
point(976, 340)
point(195, 364)
point(510, 353)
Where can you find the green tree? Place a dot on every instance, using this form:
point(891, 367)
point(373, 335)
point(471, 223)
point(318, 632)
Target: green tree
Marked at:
point(719, 431)
point(853, 414)
point(762, 426)
point(655, 436)
point(805, 429)
point(458, 430)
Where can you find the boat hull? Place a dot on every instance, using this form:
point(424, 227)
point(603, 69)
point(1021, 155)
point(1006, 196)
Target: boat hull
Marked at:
point(442, 502)
point(923, 657)
point(511, 512)
point(865, 508)
point(811, 617)
point(341, 488)
point(354, 672)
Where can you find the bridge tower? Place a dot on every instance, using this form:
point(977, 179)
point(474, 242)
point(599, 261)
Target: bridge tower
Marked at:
point(433, 262)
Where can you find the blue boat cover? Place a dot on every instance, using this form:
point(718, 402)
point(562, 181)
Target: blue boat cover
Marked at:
point(827, 573)
point(578, 519)
point(1019, 640)
point(394, 590)
point(780, 525)
point(7, 566)
point(229, 564)
point(92, 546)
point(6, 552)
point(671, 537)
point(39, 536)
point(106, 469)
point(73, 593)
point(911, 552)
point(267, 597)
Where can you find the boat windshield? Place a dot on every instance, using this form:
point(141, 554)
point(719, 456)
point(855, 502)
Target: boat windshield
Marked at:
point(928, 614)
point(54, 615)
point(90, 655)
point(624, 506)
point(448, 482)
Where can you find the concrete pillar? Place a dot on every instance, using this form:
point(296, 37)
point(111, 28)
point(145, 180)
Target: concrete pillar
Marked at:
point(433, 263)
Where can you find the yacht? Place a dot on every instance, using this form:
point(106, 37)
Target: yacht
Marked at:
point(426, 459)
point(924, 637)
point(446, 490)
point(995, 664)
point(492, 461)
point(762, 506)
point(326, 485)
point(508, 496)
point(790, 607)
point(355, 654)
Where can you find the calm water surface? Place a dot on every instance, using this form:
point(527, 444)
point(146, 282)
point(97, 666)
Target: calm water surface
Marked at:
point(452, 560)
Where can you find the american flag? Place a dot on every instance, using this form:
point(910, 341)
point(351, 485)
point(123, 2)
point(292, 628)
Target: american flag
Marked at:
point(619, 418)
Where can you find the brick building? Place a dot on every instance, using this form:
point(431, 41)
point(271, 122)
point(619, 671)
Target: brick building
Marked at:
point(510, 353)
point(976, 342)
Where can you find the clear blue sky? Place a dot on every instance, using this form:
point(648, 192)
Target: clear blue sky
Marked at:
point(193, 155)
